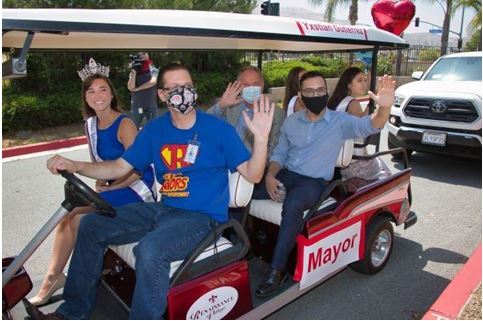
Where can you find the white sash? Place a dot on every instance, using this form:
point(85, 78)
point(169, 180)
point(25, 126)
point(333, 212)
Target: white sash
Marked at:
point(138, 186)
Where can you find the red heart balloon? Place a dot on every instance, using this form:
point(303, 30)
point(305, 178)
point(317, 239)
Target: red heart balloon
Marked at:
point(393, 16)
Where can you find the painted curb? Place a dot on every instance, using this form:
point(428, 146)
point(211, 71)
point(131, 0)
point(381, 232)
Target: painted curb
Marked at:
point(41, 147)
point(452, 301)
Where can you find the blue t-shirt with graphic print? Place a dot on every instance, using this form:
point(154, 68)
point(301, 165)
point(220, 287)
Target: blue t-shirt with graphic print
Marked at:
point(202, 186)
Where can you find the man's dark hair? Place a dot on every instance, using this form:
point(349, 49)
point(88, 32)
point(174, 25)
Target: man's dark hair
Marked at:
point(169, 67)
point(312, 74)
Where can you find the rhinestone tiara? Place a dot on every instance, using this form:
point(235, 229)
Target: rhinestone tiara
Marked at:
point(93, 68)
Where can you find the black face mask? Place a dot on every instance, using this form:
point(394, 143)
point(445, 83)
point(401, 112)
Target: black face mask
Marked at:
point(315, 104)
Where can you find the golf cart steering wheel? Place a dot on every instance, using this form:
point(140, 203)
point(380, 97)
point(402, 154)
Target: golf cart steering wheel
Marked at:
point(77, 193)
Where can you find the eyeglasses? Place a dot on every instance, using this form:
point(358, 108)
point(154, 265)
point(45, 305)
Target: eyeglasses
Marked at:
point(179, 86)
point(310, 92)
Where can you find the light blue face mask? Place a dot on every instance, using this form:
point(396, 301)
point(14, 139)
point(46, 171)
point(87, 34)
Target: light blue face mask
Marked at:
point(251, 94)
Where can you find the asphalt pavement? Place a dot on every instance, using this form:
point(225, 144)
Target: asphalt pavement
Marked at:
point(446, 197)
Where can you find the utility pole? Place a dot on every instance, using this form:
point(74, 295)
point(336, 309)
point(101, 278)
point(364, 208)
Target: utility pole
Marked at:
point(460, 40)
point(418, 21)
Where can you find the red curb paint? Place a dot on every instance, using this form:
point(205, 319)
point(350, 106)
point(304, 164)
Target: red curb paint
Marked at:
point(454, 298)
point(40, 147)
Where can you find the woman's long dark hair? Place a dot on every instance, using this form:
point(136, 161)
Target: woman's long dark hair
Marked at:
point(292, 86)
point(87, 110)
point(341, 89)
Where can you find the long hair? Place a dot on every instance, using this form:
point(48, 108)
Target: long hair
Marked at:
point(342, 88)
point(292, 85)
point(86, 109)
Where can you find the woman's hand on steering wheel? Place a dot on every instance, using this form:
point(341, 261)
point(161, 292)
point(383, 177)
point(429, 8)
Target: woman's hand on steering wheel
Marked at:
point(56, 163)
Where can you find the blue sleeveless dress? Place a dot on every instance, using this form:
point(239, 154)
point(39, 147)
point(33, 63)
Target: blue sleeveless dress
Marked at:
point(109, 148)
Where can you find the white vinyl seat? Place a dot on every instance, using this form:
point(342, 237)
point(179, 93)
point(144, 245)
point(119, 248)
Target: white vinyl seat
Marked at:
point(240, 195)
point(271, 211)
point(126, 253)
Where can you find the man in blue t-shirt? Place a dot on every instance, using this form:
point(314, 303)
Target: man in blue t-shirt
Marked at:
point(192, 153)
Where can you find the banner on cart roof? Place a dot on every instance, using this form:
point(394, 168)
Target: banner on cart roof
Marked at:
point(330, 253)
point(320, 29)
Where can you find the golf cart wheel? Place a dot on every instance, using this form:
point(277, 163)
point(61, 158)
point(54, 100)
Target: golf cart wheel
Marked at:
point(398, 156)
point(378, 248)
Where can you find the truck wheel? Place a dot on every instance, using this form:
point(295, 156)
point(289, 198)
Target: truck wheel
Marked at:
point(378, 248)
point(390, 145)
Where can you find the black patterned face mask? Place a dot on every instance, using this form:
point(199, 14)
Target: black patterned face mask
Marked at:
point(182, 98)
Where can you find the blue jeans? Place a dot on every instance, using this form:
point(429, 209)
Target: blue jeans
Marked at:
point(303, 193)
point(165, 234)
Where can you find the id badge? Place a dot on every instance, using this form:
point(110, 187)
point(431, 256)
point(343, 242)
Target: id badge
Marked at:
point(192, 151)
point(140, 110)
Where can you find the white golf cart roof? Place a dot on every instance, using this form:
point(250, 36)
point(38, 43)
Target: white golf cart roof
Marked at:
point(82, 29)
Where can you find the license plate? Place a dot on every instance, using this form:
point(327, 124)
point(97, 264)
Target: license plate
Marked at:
point(434, 138)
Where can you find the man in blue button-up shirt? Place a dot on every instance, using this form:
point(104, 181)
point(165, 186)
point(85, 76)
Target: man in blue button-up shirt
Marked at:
point(304, 159)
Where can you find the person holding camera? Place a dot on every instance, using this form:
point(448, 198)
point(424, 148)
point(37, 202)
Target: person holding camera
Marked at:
point(142, 84)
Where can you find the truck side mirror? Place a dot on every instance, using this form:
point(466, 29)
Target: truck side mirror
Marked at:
point(417, 75)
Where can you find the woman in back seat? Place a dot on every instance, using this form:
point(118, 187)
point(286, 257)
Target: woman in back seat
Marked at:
point(352, 84)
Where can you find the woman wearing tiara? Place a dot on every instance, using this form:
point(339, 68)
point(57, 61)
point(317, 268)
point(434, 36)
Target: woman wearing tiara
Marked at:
point(109, 134)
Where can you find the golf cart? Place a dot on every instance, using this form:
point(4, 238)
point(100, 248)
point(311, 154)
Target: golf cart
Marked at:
point(350, 226)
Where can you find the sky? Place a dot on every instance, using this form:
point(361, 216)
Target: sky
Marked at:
point(426, 11)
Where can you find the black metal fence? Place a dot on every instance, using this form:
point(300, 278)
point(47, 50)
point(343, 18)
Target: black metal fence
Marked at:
point(404, 62)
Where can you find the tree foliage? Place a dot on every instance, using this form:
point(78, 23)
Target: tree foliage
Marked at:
point(55, 73)
point(332, 5)
point(238, 6)
point(474, 43)
point(475, 22)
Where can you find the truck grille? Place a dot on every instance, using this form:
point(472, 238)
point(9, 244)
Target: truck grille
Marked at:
point(441, 109)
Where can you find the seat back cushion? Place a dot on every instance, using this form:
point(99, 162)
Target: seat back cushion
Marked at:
point(345, 154)
point(240, 190)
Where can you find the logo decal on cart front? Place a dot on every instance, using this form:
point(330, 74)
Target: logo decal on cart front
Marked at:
point(214, 305)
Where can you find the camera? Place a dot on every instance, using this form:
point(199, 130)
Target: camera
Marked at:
point(136, 62)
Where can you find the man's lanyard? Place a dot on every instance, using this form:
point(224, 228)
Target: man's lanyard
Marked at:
point(192, 151)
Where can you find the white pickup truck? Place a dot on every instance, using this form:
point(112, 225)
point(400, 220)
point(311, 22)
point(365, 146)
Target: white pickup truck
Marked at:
point(440, 113)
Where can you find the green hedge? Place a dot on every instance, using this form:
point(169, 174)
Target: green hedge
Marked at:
point(330, 67)
point(275, 72)
point(23, 111)
point(212, 84)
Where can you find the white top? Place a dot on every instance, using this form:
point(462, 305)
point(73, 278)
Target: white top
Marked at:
point(291, 105)
point(342, 107)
